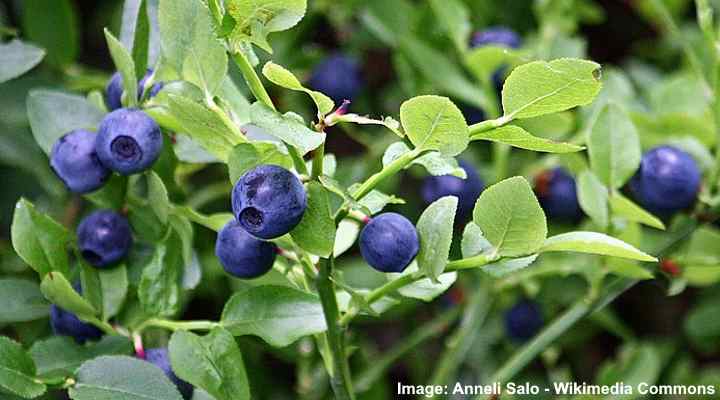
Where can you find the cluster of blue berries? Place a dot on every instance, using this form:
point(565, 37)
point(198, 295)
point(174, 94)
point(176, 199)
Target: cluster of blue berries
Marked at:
point(667, 181)
point(128, 141)
point(268, 201)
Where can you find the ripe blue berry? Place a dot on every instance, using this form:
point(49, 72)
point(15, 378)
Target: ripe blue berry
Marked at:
point(557, 194)
point(241, 254)
point(389, 242)
point(114, 89)
point(523, 320)
point(268, 201)
point(128, 141)
point(161, 358)
point(74, 160)
point(667, 181)
point(338, 76)
point(68, 324)
point(498, 35)
point(104, 238)
point(466, 190)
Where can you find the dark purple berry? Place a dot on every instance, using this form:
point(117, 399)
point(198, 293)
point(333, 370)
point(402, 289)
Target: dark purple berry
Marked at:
point(74, 160)
point(104, 238)
point(268, 201)
point(241, 254)
point(389, 242)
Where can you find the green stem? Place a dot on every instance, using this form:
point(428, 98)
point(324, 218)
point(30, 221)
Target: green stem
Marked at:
point(404, 280)
point(581, 309)
point(104, 326)
point(258, 90)
point(379, 367)
point(317, 163)
point(457, 346)
point(387, 171)
point(557, 328)
point(487, 125)
point(340, 374)
point(252, 79)
point(178, 325)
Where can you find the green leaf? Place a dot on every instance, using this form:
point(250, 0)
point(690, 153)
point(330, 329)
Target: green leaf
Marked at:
point(201, 124)
point(158, 196)
point(288, 127)
point(345, 236)
point(114, 284)
point(509, 215)
point(59, 356)
point(376, 200)
point(246, 156)
point(39, 240)
point(284, 78)
point(54, 31)
point(435, 228)
point(189, 43)
point(389, 122)
point(278, 314)
point(434, 123)
point(22, 301)
point(594, 243)
point(443, 73)
point(316, 231)
point(507, 266)
point(18, 58)
point(474, 242)
point(183, 228)
point(52, 114)
point(593, 198)
point(58, 290)
point(614, 147)
point(122, 378)
point(212, 362)
point(137, 33)
point(434, 162)
point(542, 87)
point(424, 289)
point(213, 221)
point(17, 370)
point(637, 363)
point(518, 137)
point(160, 285)
point(623, 207)
point(141, 41)
point(255, 19)
point(484, 61)
point(454, 17)
point(126, 66)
